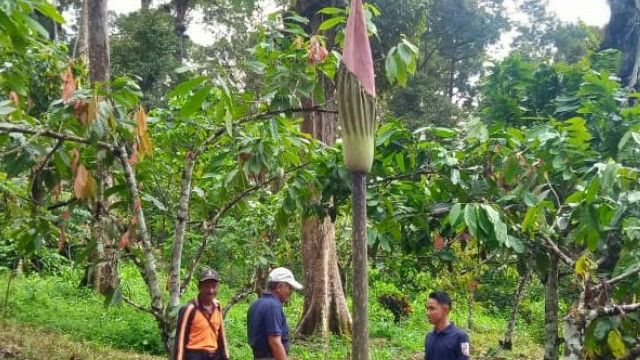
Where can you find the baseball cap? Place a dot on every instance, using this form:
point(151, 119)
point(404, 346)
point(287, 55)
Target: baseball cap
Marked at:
point(284, 275)
point(209, 274)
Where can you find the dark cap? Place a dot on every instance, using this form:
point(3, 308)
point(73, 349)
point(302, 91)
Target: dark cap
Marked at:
point(208, 274)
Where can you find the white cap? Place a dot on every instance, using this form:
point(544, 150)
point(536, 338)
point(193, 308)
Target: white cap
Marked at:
point(284, 275)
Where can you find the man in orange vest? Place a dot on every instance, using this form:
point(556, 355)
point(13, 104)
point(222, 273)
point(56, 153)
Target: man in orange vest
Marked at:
point(200, 332)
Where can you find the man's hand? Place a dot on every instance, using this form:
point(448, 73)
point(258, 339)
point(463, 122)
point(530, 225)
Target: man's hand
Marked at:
point(277, 348)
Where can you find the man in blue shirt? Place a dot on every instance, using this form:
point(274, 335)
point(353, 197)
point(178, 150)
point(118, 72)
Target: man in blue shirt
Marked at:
point(267, 328)
point(445, 341)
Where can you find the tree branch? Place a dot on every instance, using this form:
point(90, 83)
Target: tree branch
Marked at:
point(149, 274)
point(619, 278)
point(36, 173)
point(182, 217)
point(139, 307)
point(211, 139)
point(612, 310)
point(12, 128)
point(566, 258)
point(61, 204)
point(211, 226)
point(241, 295)
point(386, 180)
point(209, 231)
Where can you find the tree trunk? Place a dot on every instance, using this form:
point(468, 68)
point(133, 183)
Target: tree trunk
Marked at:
point(360, 343)
point(147, 265)
point(181, 8)
point(470, 305)
point(145, 4)
point(325, 308)
point(573, 336)
point(623, 33)
point(103, 277)
point(507, 343)
point(82, 38)
point(551, 310)
point(99, 60)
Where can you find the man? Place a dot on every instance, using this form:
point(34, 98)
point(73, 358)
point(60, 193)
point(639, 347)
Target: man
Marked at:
point(267, 328)
point(200, 331)
point(445, 341)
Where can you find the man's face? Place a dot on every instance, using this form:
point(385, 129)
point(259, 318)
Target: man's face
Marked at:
point(436, 311)
point(208, 288)
point(283, 292)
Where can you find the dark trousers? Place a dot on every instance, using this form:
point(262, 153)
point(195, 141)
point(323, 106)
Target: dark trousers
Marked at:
point(202, 355)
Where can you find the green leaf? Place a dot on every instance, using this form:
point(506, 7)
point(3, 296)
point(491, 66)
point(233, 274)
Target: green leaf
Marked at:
point(601, 329)
point(471, 218)
point(37, 27)
point(331, 11)
point(49, 11)
point(195, 102)
point(414, 49)
point(6, 107)
point(477, 130)
point(157, 203)
point(499, 227)
point(616, 345)
point(444, 132)
point(575, 198)
point(184, 87)
point(531, 217)
point(228, 122)
point(332, 22)
point(515, 244)
point(511, 168)
point(390, 66)
point(455, 214)
point(282, 220)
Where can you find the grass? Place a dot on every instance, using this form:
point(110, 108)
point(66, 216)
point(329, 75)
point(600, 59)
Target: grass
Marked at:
point(27, 342)
point(50, 317)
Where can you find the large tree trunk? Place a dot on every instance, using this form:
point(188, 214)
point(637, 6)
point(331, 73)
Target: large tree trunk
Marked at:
point(551, 310)
point(80, 46)
point(325, 307)
point(145, 4)
point(507, 343)
point(623, 33)
point(103, 275)
point(99, 60)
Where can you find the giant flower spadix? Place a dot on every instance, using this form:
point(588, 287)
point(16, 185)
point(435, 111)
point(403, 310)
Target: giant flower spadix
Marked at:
point(356, 94)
